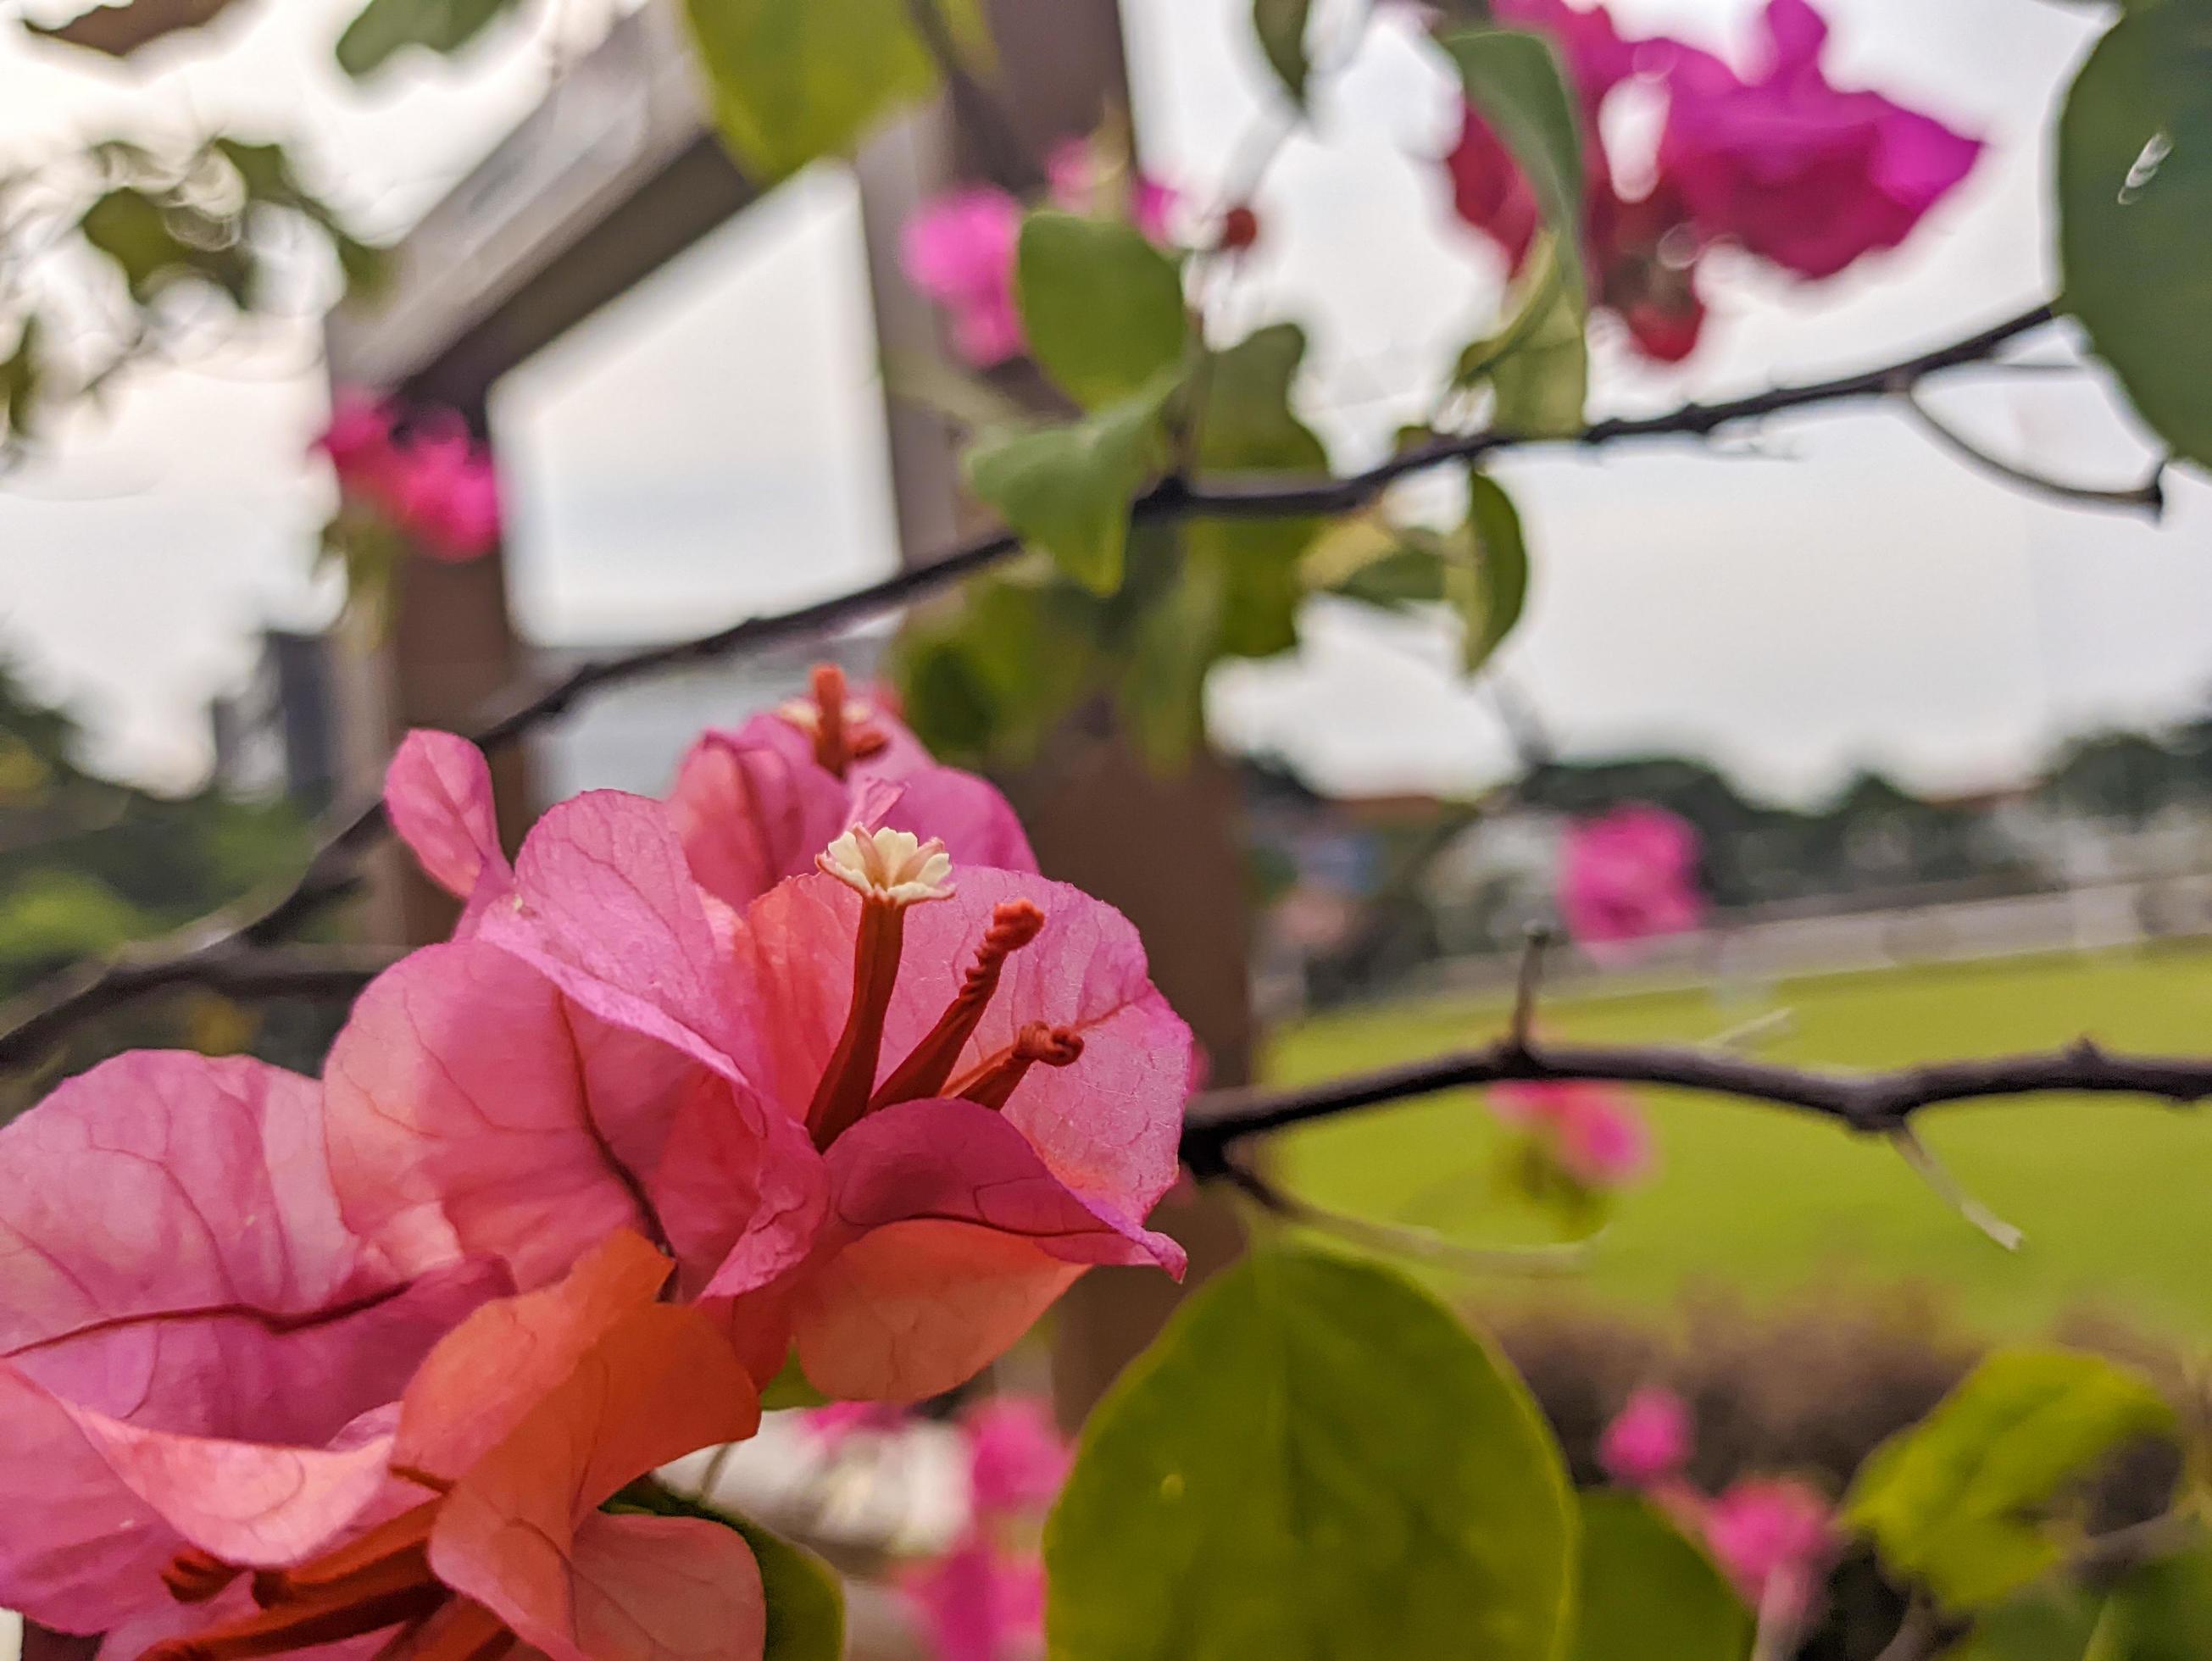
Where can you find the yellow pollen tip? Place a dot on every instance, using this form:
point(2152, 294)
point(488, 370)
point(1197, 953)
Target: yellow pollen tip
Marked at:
point(893, 866)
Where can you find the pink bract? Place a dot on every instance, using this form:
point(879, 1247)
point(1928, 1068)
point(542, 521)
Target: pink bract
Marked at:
point(358, 441)
point(1776, 1538)
point(1795, 169)
point(445, 494)
point(980, 1603)
point(1017, 1458)
point(959, 251)
point(1082, 183)
point(1596, 1132)
point(1648, 1440)
point(192, 1340)
point(1629, 876)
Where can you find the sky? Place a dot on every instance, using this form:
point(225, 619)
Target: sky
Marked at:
point(1825, 593)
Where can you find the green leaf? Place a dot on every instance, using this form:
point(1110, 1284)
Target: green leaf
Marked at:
point(1315, 1460)
point(2158, 1611)
point(2051, 1622)
point(1247, 426)
point(384, 27)
point(805, 1599)
point(1491, 589)
point(2135, 197)
point(1956, 1502)
point(796, 80)
point(1067, 489)
point(1174, 641)
point(1102, 306)
point(1516, 82)
point(1281, 27)
point(1645, 1593)
point(1538, 365)
point(1408, 572)
point(157, 244)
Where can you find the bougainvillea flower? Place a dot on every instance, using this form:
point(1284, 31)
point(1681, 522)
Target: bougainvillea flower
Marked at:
point(834, 1426)
point(1795, 170)
point(184, 1313)
point(358, 442)
point(960, 1089)
point(484, 1530)
point(959, 251)
point(1631, 875)
point(1017, 1458)
point(756, 805)
point(980, 1602)
point(444, 492)
point(1648, 1440)
point(1776, 1539)
point(1592, 1132)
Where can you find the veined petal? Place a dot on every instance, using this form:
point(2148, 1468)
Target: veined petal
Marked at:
point(438, 795)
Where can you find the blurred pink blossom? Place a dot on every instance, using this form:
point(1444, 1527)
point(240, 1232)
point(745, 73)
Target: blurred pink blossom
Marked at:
point(1629, 876)
point(1595, 1131)
point(1017, 1458)
point(1794, 169)
point(1648, 1440)
point(1078, 182)
point(978, 1602)
point(959, 251)
point(833, 1425)
point(445, 494)
point(1775, 1538)
point(358, 440)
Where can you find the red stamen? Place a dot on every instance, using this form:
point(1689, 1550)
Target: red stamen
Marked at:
point(193, 1577)
point(399, 1590)
point(922, 1073)
point(993, 1083)
point(829, 747)
point(462, 1631)
point(401, 1538)
point(841, 1097)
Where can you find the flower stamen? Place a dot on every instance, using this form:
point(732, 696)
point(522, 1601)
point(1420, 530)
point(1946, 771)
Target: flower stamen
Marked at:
point(993, 1084)
point(891, 870)
point(841, 725)
point(193, 1577)
point(922, 1074)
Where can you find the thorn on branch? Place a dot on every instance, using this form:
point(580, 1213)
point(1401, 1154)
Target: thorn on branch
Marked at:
point(1931, 1171)
point(2150, 495)
point(1525, 988)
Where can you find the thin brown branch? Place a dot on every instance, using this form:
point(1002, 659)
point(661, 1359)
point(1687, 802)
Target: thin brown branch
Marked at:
point(977, 111)
point(1875, 1103)
point(46, 1013)
point(2149, 496)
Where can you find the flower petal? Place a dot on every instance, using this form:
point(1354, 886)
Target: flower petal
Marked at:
point(606, 907)
point(491, 1370)
point(911, 1309)
point(515, 1532)
point(437, 793)
point(172, 1254)
point(750, 814)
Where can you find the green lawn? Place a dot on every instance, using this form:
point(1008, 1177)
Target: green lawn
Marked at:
point(2115, 1194)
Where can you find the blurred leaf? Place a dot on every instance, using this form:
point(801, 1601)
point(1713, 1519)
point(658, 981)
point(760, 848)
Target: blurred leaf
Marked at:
point(158, 244)
point(805, 1599)
point(1315, 1459)
point(1491, 587)
point(383, 27)
point(62, 917)
point(1515, 80)
point(21, 372)
point(1407, 574)
point(985, 679)
point(1538, 365)
point(1645, 1593)
point(928, 382)
point(1281, 27)
point(1103, 307)
point(1162, 693)
point(2158, 1611)
point(2051, 1621)
point(118, 31)
point(1246, 426)
point(1067, 489)
point(1956, 1500)
point(2135, 197)
point(797, 80)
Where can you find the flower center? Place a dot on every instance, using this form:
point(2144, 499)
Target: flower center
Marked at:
point(841, 725)
point(892, 870)
point(380, 1579)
